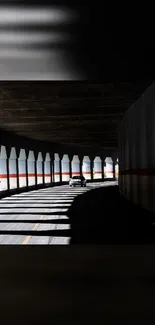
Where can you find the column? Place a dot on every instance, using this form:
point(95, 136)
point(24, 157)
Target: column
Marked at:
point(47, 169)
point(56, 168)
point(116, 169)
point(86, 171)
point(81, 174)
point(39, 168)
point(31, 168)
point(70, 166)
point(108, 168)
point(4, 177)
point(22, 168)
point(75, 165)
point(102, 164)
point(52, 165)
point(13, 168)
point(60, 168)
point(97, 168)
point(92, 168)
point(65, 168)
point(17, 171)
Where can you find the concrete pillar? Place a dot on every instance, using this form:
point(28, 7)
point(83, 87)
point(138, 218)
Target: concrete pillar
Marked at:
point(86, 171)
point(3, 169)
point(65, 168)
point(75, 165)
point(31, 168)
point(52, 165)
point(97, 168)
point(26, 165)
point(17, 173)
point(102, 166)
point(43, 167)
point(108, 172)
point(70, 166)
point(56, 168)
point(114, 162)
point(104, 169)
point(39, 168)
point(47, 169)
point(81, 164)
point(17, 164)
point(116, 169)
point(92, 167)
point(13, 168)
point(22, 168)
point(60, 167)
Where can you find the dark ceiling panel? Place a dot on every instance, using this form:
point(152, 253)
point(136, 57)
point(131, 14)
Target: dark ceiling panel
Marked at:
point(85, 114)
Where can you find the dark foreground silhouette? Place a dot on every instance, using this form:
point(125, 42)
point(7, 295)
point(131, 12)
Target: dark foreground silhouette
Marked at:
point(102, 216)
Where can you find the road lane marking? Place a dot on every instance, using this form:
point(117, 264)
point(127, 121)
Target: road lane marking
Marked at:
point(26, 240)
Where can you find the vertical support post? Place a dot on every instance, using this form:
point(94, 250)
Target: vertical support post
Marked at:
point(102, 162)
point(22, 168)
point(35, 171)
point(52, 170)
point(81, 167)
point(114, 163)
point(17, 172)
point(70, 166)
point(91, 168)
point(7, 168)
point(60, 169)
point(4, 169)
point(26, 170)
point(43, 170)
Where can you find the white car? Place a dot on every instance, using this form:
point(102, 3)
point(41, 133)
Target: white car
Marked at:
point(77, 180)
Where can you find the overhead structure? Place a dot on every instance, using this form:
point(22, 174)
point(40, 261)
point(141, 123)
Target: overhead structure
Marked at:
point(84, 115)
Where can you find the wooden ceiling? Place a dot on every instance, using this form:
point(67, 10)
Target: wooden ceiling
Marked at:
point(84, 114)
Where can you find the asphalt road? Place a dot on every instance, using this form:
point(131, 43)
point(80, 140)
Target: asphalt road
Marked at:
point(39, 217)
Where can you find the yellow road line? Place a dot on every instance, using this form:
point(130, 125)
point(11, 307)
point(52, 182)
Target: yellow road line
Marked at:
point(26, 240)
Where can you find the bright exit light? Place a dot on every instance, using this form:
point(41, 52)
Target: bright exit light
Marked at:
point(20, 15)
point(34, 45)
point(32, 38)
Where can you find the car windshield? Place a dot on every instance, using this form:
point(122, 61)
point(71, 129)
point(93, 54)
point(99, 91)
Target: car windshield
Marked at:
point(78, 177)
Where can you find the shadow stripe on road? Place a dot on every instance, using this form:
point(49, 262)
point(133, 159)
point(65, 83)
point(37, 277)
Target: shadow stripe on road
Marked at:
point(52, 221)
point(34, 213)
point(49, 233)
point(34, 207)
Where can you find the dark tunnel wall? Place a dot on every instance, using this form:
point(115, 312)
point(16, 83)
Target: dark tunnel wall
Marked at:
point(136, 138)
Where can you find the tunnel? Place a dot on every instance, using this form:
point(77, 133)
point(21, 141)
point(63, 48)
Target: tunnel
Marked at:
point(77, 95)
point(53, 132)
